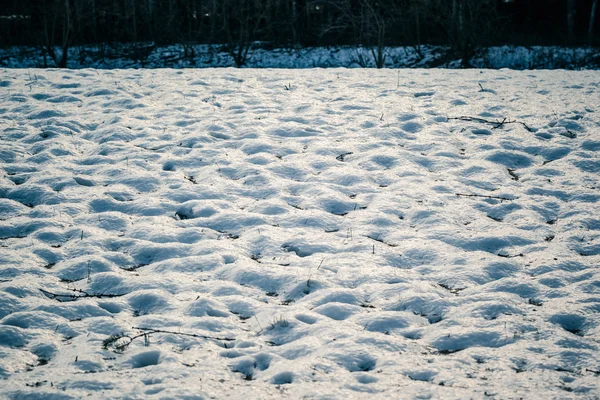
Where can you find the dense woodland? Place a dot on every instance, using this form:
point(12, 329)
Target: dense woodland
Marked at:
point(463, 25)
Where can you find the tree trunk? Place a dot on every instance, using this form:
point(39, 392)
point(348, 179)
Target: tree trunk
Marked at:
point(571, 4)
point(592, 21)
point(134, 21)
point(151, 22)
point(94, 21)
point(67, 30)
point(213, 20)
point(59, 15)
point(418, 28)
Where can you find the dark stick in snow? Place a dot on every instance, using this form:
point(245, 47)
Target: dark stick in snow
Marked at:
point(152, 330)
point(497, 124)
point(484, 196)
point(73, 297)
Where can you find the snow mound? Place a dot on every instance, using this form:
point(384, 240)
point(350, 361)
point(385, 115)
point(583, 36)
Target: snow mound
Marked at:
point(321, 233)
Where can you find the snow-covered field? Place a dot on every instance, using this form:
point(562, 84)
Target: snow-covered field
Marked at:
point(300, 233)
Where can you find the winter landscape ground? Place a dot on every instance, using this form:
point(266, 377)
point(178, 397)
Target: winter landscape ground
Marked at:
point(149, 55)
point(318, 234)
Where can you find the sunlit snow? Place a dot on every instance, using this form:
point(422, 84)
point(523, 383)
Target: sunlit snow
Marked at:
point(302, 233)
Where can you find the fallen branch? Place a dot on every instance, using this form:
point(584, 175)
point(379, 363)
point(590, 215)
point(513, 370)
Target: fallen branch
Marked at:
point(342, 156)
point(191, 179)
point(82, 294)
point(121, 341)
point(195, 335)
point(381, 241)
point(513, 175)
point(484, 196)
point(496, 124)
point(592, 371)
point(569, 133)
point(510, 256)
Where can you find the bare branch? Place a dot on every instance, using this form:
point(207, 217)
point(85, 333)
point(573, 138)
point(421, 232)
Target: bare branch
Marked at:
point(194, 335)
point(82, 294)
point(496, 124)
point(486, 196)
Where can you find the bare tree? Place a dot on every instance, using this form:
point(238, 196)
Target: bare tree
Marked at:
point(464, 25)
point(369, 21)
point(374, 19)
point(571, 11)
point(57, 27)
point(416, 14)
point(467, 24)
point(241, 22)
point(592, 21)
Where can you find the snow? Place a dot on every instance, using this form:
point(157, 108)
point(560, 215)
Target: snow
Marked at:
point(302, 233)
point(260, 55)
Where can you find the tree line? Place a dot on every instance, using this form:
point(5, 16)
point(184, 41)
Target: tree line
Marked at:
point(462, 25)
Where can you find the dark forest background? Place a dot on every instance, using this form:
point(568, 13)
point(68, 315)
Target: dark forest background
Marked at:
point(462, 25)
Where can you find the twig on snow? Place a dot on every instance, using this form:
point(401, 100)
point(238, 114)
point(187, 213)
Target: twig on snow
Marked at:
point(592, 371)
point(377, 239)
point(484, 196)
point(194, 335)
point(82, 294)
point(121, 341)
point(513, 175)
point(341, 157)
point(496, 124)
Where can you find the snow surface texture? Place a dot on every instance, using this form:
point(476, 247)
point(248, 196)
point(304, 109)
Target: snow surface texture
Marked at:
point(310, 216)
point(147, 55)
